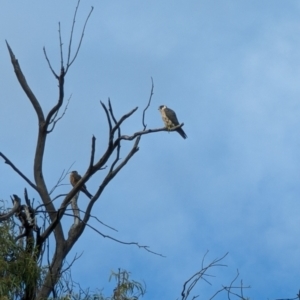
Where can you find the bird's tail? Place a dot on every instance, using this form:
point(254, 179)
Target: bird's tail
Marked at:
point(87, 193)
point(182, 133)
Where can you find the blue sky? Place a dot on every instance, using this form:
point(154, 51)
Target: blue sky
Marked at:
point(231, 71)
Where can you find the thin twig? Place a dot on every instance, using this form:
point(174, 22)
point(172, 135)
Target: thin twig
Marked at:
point(297, 297)
point(124, 243)
point(192, 281)
point(59, 118)
point(150, 98)
point(49, 64)
point(58, 196)
point(72, 31)
point(60, 179)
point(72, 262)
point(60, 47)
point(81, 38)
point(123, 118)
point(229, 289)
point(92, 216)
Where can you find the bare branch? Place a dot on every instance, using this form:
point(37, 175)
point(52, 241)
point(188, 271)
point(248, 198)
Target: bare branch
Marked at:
point(297, 297)
point(91, 216)
point(119, 134)
point(190, 283)
point(74, 234)
point(94, 217)
point(107, 116)
point(230, 289)
point(52, 226)
point(24, 85)
point(72, 262)
point(60, 179)
point(92, 153)
point(58, 196)
point(124, 243)
point(40, 186)
point(50, 202)
point(134, 149)
point(61, 78)
point(140, 133)
point(124, 117)
point(49, 64)
point(56, 107)
point(111, 174)
point(233, 280)
point(81, 38)
point(53, 121)
point(60, 47)
point(102, 223)
point(111, 112)
point(7, 161)
point(149, 102)
point(117, 155)
point(72, 31)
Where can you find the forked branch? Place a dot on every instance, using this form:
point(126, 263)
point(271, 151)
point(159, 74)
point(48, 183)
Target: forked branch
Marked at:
point(189, 285)
point(69, 63)
point(232, 290)
point(237, 291)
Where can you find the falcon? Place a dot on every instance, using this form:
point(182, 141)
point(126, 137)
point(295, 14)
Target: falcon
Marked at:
point(74, 178)
point(170, 119)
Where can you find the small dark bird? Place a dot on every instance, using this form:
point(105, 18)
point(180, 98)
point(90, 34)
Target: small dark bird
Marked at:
point(170, 119)
point(74, 178)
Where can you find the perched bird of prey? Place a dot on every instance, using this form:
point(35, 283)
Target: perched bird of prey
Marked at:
point(74, 178)
point(169, 117)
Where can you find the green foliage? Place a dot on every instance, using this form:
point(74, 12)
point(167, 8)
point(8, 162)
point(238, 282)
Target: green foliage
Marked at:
point(126, 289)
point(18, 268)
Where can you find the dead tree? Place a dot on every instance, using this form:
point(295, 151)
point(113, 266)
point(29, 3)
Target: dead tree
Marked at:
point(65, 239)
